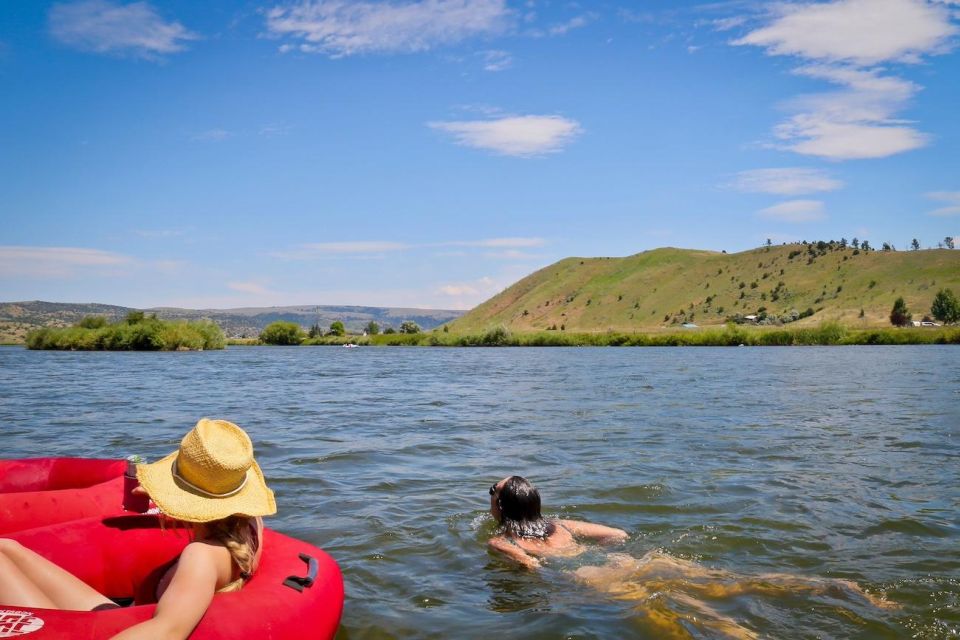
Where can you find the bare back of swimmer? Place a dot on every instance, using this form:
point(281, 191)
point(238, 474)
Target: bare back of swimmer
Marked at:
point(668, 591)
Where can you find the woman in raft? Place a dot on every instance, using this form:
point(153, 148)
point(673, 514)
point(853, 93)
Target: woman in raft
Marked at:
point(214, 486)
point(665, 587)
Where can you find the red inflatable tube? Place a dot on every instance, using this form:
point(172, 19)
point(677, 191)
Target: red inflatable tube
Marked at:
point(124, 556)
point(41, 491)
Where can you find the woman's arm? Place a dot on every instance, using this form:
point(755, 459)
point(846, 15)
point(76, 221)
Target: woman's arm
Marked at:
point(186, 599)
point(596, 531)
point(504, 546)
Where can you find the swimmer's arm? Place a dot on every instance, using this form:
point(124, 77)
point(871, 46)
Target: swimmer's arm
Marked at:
point(186, 599)
point(504, 546)
point(595, 531)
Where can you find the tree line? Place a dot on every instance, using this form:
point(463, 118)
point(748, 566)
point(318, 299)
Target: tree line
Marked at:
point(282, 332)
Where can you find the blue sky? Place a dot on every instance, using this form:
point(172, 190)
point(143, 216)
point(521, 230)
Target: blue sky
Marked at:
point(430, 153)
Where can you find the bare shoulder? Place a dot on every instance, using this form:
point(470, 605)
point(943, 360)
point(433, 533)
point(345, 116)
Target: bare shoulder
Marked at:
point(202, 553)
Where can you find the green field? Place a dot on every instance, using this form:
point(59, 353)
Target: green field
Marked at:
point(659, 290)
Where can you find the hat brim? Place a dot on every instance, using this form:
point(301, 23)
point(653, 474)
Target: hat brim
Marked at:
point(178, 500)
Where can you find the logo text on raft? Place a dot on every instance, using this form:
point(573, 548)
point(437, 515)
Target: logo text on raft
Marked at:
point(18, 623)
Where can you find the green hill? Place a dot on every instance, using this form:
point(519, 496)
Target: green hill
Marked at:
point(667, 287)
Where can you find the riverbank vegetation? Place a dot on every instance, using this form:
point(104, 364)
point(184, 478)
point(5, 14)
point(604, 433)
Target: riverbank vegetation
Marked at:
point(136, 332)
point(828, 333)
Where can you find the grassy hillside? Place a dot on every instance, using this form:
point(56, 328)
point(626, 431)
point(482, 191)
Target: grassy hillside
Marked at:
point(664, 288)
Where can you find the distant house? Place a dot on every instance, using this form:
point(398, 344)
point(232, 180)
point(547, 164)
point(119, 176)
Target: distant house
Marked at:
point(751, 318)
point(915, 323)
point(689, 325)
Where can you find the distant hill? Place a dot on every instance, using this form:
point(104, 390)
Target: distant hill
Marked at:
point(17, 318)
point(667, 287)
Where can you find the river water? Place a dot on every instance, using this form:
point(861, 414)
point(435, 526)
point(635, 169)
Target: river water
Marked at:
point(840, 462)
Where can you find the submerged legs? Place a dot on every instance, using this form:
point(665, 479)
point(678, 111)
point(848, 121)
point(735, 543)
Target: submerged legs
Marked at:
point(658, 580)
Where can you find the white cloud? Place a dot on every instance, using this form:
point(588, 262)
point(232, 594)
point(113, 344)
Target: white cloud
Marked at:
point(521, 136)
point(787, 181)
point(341, 28)
point(844, 39)
point(795, 211)
point(950, 198)
point(496, 60)
point(56, 262)
point(863, 32)
point(101, 26)
point(857, 121)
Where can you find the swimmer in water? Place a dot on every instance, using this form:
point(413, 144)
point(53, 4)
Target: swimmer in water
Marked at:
point(665, 588)
point(526, 535)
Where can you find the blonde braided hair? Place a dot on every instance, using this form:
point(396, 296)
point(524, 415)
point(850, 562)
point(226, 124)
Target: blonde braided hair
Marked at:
point(236, 534)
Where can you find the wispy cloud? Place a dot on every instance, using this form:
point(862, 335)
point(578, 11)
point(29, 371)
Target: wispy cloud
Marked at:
point(468, 294)
point(212, 135)
point(499, 243)
point(57, 262)
point(339, 28)
point(795, 211)
point(563, 28)
point(842, 41)
point(356, 247)
point(520, 136)
point(496, 59)
point(726, 24)
point(314, 250)
point(100, 26)
point(950, 198)
point(786, 181)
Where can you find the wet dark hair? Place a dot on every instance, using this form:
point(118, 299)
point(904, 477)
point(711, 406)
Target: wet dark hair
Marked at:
point(519, 503)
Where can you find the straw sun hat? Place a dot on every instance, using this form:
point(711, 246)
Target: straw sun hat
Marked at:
point(212, 476)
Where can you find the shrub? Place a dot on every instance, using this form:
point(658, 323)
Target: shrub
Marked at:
point(282, 333)
point(498, 336)
point(409, 326)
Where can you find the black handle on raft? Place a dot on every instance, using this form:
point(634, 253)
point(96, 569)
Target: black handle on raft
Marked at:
point(300, 583)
